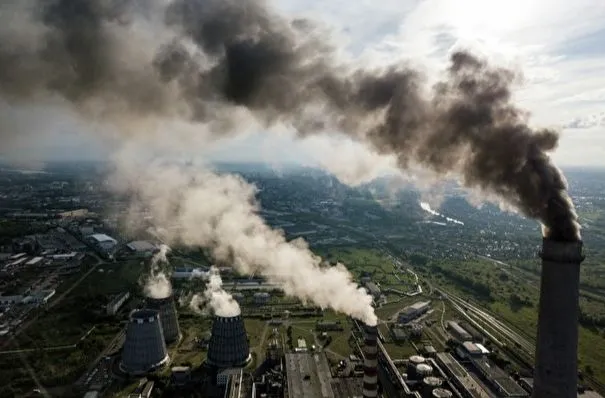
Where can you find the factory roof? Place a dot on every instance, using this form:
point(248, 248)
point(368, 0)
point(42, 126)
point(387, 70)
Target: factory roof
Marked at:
point(141, 246)
point(462, 376)
point(34, 260)
point(372, 288)
point(308, 376)
point(472, 348)
point(347, 387)
point(420, 305)
point(502, 381)
point(103, 238)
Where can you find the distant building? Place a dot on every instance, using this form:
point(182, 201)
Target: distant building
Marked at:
point(261, 297)
point(187, 273)
point(399, 334)
point(301, 345)
point(239, 297)
point(114, 305)
point(39, 297)
point(142, 248)
point(14, 299)
point(373, 289)
point(458, 332)
point(181, 375)
point(413, 311)
point(223, 376)
point(324, 326)
point(103, 242)
point(87, 230)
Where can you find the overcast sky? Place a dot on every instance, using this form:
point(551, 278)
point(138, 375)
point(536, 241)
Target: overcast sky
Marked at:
point(557, 44)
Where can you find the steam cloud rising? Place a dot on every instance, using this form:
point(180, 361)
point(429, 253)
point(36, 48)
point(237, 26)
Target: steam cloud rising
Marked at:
point(215, 297)
point(156, 284)
point(220, 212)
point(205, 60)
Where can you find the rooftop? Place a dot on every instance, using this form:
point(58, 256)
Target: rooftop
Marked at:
point(141, 246)
point(462, 376)
point(308, 376)
point(103, 238)
point(507, 386)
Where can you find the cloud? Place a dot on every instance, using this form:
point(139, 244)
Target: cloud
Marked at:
point(587, 122)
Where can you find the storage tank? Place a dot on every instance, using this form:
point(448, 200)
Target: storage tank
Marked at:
point(423, 370)
point(413, 362)
point(144, 347)
point(441, 393)
point(429, 384)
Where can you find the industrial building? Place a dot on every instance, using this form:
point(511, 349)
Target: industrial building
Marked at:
point(497, 378)
point(373, 289)
point(116, 303)
point(308, 376)
point(458, 332)
point(142, 248)
point(413, 311)
point(168, 316)
point(144, 348)
point(228, 346)
point(187, 273)
point(461, 379)
point(103, 242)
point(261, 297)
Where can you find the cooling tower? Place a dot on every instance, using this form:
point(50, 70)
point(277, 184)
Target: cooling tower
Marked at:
point(229, 343)
point(556, 370)
point(168, 316)
point(144, 348)
point(370, 366)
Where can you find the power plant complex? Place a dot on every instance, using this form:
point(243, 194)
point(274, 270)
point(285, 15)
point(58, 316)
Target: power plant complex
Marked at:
point(466, 369)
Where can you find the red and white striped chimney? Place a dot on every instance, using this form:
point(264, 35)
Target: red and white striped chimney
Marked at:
point(370, 372)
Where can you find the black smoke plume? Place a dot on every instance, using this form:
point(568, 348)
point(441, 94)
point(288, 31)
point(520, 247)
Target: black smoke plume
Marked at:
point(199, 59)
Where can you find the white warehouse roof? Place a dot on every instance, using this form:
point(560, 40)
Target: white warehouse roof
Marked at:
point(103, 238)
point(141, 246)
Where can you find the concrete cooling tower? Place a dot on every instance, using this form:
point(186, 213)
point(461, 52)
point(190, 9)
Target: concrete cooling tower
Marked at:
point(144, 348)
point(168, 316)
point(556, 370)
point(228, 346)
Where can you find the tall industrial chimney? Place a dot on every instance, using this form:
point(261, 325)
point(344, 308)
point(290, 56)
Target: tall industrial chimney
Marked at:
point(556, 370)
point(370, 371)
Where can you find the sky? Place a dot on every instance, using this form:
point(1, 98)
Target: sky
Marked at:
point(556, 44)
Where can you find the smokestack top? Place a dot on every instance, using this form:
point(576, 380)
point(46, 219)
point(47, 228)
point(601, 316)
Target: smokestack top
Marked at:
point(562, 251)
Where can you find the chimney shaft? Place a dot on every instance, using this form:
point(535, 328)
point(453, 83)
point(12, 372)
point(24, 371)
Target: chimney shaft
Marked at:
point(370, 366)
point(556, 368)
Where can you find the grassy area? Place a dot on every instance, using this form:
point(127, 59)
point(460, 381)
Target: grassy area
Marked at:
point(111, 279)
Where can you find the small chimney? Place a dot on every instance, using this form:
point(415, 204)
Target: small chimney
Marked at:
point(556, 368)
point(370, 371)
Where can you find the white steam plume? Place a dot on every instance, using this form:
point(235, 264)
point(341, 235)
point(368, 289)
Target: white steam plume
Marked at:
point(220, 212)
point(214, 297)
point(157, 284)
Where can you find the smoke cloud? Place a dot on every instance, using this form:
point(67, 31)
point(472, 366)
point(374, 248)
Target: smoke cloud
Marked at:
point(215, 62)
point(215, 297)
point(220, 212)
point(156, 283)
